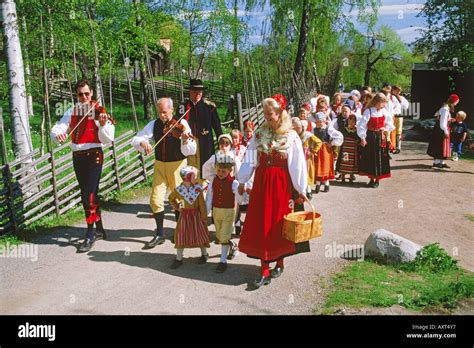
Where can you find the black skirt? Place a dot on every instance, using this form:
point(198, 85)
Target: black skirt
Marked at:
point(374, 161)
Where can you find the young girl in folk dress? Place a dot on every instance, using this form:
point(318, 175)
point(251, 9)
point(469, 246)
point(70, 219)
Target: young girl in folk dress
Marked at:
point(249, 127)
point(239, 148)
point(324, 162)
point(311, 146)
point(276, 156)
point(347, 161)
point(373, 129)
point(440, 148)
point(191, 228)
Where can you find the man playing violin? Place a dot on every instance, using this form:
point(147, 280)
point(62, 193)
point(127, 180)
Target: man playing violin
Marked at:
point(90, 128)
point(174, 143)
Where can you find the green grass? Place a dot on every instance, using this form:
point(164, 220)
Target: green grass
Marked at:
point(470, 217)
point(431, 281)
point(10, 239)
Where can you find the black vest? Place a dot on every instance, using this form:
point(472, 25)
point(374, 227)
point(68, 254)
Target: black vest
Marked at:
point(169, 150)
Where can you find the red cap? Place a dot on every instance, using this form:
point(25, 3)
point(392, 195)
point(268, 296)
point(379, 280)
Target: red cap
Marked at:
point(453, 98)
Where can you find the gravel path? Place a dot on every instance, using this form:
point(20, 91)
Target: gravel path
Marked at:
point(118, 277)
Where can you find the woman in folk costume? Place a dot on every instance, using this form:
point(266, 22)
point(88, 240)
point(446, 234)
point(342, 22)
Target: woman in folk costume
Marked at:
point(347, 161)
point(191, 228)
point(324, 162)
point(373, 128)
point(276, 156)
point(439, 147)
point(311, 146)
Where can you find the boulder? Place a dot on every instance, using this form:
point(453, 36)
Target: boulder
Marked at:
point(389, 247)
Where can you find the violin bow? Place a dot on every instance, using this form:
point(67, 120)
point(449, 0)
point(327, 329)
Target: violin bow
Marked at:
point(161, 139)
point(82, 119)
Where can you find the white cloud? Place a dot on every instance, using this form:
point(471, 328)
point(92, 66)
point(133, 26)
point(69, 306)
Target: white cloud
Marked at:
point(410, 34)
point(392, 10)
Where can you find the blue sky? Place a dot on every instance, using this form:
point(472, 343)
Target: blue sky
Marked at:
point(400, 15)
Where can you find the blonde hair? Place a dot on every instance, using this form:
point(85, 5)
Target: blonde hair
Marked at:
point(378, 98)
point(284, 121)
point(462, 114)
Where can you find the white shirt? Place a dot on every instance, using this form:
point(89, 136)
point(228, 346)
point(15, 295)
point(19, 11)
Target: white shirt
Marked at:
point(146, 134)
point(296, 163)
point(106, 132)
point(373, 112)
point(444, 116)
point(209, 167)
point(399, 106)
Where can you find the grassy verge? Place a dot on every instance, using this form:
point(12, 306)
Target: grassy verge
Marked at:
point(432, 281)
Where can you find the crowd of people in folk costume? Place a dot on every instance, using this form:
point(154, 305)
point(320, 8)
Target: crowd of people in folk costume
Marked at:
point(266, 171)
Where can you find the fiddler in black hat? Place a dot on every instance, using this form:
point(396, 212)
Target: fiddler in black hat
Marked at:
point(196, 85)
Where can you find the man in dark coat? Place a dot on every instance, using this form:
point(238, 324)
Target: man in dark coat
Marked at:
point(203, 120)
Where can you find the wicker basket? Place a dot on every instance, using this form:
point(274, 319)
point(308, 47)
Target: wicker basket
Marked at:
point(302, 226)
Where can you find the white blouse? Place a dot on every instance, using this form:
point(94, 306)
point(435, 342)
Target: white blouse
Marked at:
point(444, 116)
point(106, 132)
point(373, 112)
point(188, 148)
point(296, 163)
point(209, 167)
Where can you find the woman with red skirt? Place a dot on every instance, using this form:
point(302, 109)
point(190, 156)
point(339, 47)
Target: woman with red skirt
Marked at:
point(276, 155)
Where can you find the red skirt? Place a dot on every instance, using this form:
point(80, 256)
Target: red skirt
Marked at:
point(324, 164)
point(261, 236)
point(191, 231)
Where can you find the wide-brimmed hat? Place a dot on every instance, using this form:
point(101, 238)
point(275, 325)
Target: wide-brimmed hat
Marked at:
point(196, 85)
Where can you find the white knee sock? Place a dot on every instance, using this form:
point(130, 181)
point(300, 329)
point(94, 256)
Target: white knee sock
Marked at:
point(224, 252)
point(326, 183)
point(203, 251)
point(179, 254)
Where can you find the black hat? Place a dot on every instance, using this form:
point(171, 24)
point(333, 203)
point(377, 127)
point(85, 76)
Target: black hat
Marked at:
point(196, 85)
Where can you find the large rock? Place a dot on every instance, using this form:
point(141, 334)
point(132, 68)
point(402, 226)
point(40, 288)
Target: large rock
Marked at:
point(389, 247)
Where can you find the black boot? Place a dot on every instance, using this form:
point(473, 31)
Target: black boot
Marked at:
point(159, 237)
point(99, 230)
point(88, 240)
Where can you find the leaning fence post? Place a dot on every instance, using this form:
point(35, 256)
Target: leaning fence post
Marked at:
point(7, 176)
point(239, 112)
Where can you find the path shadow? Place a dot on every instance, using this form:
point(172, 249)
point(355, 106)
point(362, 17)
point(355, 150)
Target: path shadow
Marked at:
point(353, 254)
point(354, 185)
point(445, 171)
point(236, 274)
point(411, 166)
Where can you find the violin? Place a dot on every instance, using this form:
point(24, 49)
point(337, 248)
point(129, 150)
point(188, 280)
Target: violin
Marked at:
point(97, 110)
point(174, 128)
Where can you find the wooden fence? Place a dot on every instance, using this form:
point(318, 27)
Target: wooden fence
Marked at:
point(36, 186)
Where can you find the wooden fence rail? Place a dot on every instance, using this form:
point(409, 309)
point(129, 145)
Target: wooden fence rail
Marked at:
point(26, 184)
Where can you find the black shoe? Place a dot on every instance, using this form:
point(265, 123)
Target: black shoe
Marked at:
point(397, 151)
point(232, 250)
point(435, 165)
point(238, 229)
point(176, 264)
point(309, 195)
point(203, 259)
point(221, 267)
point(276, 272)
point(376, 184)
point(317, 189)
point(326, 188)
point(157, 240)
point(100, 235)
point(87, 245)
point(262, 281)
point(444, 165)
point(371, 183)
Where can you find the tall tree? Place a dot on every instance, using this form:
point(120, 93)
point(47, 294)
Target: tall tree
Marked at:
point(22, 144)
point(449, 36)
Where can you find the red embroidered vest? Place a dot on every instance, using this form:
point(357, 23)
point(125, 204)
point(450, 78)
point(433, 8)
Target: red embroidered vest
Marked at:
point(222, 195)
point(87, 131)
